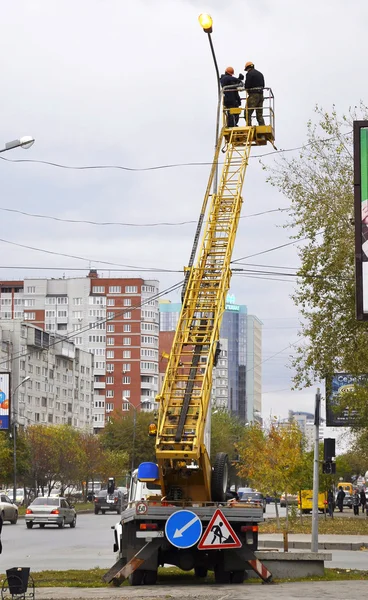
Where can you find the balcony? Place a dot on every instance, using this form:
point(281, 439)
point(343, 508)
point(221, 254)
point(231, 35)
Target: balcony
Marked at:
point(99, 385)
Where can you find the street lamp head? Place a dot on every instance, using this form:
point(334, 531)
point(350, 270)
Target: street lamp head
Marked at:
point(205, 22)
point(26, 141)
point(26, 379)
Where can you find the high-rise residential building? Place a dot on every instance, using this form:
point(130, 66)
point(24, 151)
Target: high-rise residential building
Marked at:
point(57, 376)
point(237, 379)
point(115, 319)
point(305, 422)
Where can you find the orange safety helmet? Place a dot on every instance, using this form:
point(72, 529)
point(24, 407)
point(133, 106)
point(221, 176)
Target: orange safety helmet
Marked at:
point(229, 70)
point(248, 65)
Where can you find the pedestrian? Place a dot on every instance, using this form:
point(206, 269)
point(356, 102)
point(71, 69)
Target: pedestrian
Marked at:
point(254, 85)
point(330, 503)
point(356, 502)
point(363, 500)
point(231, 97)
point(340, 499)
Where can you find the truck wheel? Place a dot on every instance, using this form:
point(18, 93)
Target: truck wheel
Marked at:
point(220, 475)
point(238, 576)
point(136, 578)
point(150, 577)
point(200, 571)
point(222, 576)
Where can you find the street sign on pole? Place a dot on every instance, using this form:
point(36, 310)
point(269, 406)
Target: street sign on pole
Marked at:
point(219, 534)
point(183, 529)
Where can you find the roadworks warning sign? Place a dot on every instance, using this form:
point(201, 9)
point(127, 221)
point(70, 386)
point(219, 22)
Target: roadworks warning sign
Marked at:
point(219, 534)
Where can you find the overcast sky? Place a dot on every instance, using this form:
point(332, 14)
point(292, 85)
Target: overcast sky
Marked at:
point(116, 82)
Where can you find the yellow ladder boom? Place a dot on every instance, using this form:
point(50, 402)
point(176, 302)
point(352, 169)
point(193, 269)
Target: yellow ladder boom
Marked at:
point(184, 465)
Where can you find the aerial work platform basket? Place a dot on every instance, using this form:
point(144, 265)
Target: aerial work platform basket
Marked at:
point(263, 133)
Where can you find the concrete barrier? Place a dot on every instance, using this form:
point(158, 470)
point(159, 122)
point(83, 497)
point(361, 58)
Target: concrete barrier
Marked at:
point(285, 565)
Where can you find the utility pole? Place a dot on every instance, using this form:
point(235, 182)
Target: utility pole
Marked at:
point(314, 544)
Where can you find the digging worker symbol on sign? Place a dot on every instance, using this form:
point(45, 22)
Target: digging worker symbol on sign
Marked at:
point(217, 533)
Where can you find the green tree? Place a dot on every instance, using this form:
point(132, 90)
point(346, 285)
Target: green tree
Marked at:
point(226, 432)
point(118, 435)
point(319, 186)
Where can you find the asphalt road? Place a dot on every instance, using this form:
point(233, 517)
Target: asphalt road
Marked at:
point(89, 545)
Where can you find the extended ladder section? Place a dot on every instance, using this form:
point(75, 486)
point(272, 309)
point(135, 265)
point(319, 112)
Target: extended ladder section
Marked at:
point(185, 469)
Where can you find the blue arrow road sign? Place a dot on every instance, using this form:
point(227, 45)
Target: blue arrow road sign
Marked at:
point(183, 529)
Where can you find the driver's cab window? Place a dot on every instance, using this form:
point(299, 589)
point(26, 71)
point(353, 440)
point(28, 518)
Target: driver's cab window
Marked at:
point(3, 499)
point(133, 487)
point(7, 499)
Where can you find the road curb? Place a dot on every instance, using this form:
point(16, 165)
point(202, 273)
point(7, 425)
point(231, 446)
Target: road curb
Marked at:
point(321, 546)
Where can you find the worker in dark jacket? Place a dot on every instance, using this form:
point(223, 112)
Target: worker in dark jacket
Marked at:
point(231, 97)
point(254, 84)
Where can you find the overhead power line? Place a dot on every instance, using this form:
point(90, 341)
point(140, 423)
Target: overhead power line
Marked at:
point(125, 224)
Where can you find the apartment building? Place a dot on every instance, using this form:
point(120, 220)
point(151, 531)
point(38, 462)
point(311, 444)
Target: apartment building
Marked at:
point(115, 319)
point(58, 377)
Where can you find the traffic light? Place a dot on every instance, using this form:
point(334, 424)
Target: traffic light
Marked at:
point(329, 449)
point(328, 467)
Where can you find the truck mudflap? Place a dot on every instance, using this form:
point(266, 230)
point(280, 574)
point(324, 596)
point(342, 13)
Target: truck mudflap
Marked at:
point(121, 571)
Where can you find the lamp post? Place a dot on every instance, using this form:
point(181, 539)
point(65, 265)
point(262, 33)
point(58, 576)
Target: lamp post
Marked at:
point(24, 142)
point(15, 439)
point(134, 429)
point(206, 23)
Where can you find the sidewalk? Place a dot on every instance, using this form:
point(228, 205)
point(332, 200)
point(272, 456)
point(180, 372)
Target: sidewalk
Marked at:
point(339, 590)
point(303, 541)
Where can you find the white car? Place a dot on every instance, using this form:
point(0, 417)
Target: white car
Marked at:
point(45, 510)
point(8, 510)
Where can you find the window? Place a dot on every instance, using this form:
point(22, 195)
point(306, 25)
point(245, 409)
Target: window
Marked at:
point(77, 314)
point(125, 406)
point(98, 289)
point(110, 367)
point(110, 328)
point(115, 289)
point(127, 302)
point(31, 316)
point(62, 327)
point(97, 300)
point(127, 354)
point(78, 341)
point(126, 394)
point(77, 326)
point(30, 302)
point(31, 289)
point(77, 301)
point(62, 300)
point(97, 312)
point(109, 393)
point(62, 313)
point(110, 341)
point(110, 353)
point(6, 301)
point(127, 315)
point(131, 289)
point(109, 406)
point(100, 365)
point(127, 341)
point(44, 402)
point(148, 288)
point(127, 328)
point(18, 315)
point(50, 314)
point(109, 380)
point(50, 327)
point(126, 367)
point(111, 302)
point(126, 379)
point(50, 300)
point(96, 338)
point(110, 315)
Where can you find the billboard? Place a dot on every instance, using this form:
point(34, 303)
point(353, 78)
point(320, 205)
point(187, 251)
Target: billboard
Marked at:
point(336, 385)
point(361, 217)
point(4, 401)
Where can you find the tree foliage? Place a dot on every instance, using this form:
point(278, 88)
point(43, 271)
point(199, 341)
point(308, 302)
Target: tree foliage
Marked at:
point(119, 434)
point(319, 186)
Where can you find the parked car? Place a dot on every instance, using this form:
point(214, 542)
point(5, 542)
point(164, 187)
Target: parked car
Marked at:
point(19, 495)
point(253, 498)
point(109, 502)
point(8, 510)
point(291, 499)
point(45, 510)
